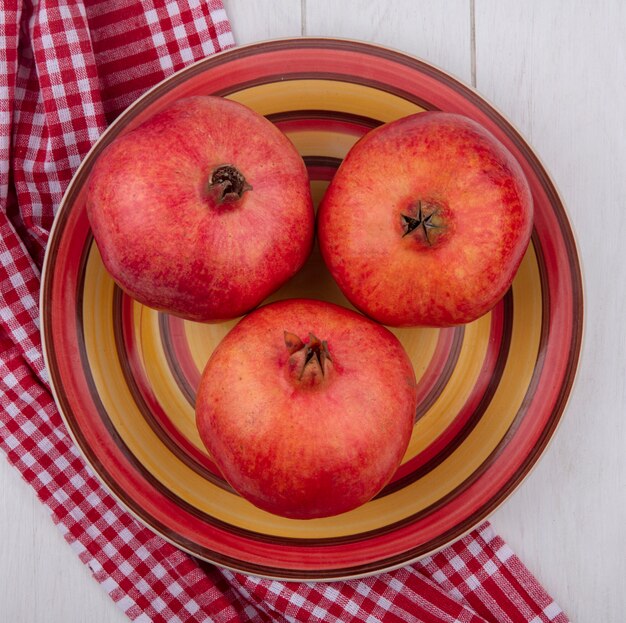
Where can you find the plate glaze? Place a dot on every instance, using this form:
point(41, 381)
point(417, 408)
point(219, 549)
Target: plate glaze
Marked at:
point(491, 393)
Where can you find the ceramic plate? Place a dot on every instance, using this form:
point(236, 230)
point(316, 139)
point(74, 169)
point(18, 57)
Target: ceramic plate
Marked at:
point(491, 393)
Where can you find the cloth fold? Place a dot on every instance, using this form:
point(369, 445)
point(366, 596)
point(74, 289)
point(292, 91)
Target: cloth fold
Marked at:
point(66, 70)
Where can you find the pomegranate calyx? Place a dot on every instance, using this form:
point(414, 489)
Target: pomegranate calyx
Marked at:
point(293, 342)
point(425, 222)
point(311, 357)
point(227, 184)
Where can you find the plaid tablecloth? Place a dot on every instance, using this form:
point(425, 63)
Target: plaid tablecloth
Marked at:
point(67, 68)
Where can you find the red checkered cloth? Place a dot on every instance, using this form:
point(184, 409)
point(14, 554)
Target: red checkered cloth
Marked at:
point(67, 68)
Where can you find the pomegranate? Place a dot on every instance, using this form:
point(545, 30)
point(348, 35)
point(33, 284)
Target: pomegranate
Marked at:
point(203, 210)
point(307, 408)
point(426, 221)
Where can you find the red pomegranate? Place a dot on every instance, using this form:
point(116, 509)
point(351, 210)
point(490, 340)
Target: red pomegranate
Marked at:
point(203, 210)
point(307, 408)
point(426, 221)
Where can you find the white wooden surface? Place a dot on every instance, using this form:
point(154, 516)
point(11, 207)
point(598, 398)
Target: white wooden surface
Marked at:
point(557, 69)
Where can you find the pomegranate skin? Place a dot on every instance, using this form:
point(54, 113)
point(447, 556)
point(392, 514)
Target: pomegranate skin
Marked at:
point(296, 442)
point(168, 236)
point(426, 221)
